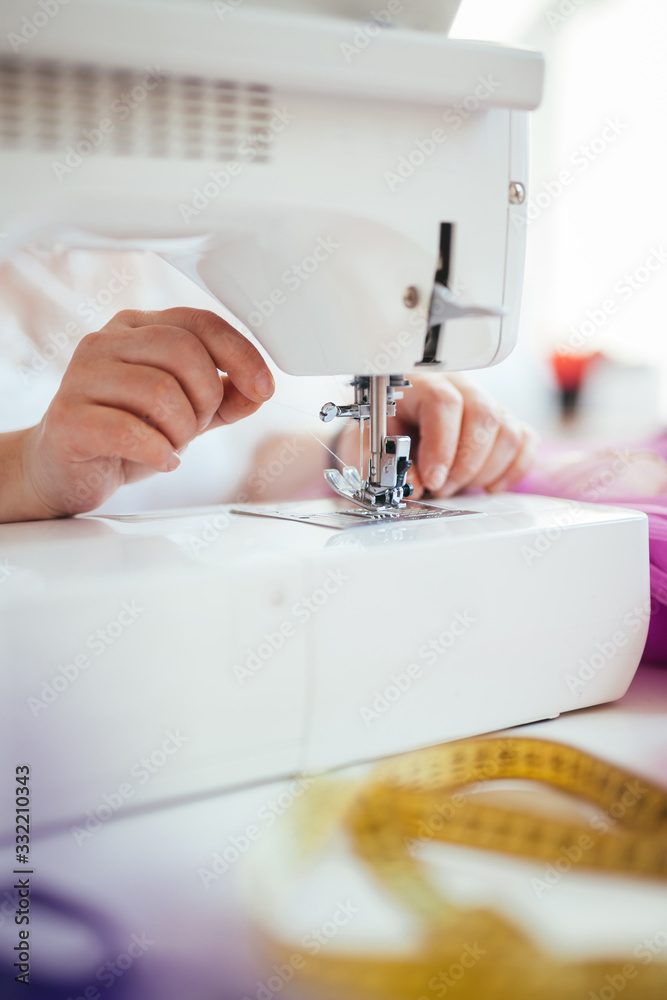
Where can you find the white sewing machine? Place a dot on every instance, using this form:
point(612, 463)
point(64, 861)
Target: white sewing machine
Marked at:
point(353, 190)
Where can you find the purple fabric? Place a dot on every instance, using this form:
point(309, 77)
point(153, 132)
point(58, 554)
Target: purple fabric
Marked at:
point(633, 477)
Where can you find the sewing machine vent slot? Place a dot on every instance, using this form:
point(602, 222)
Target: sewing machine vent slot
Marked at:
point(77, 110)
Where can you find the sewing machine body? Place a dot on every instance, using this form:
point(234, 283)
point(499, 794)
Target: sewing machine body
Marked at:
point(320, 177)
point(315, 187)
point(156, 657)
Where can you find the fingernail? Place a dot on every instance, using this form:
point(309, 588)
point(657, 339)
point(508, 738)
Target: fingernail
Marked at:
point(264, 385)
point(436, 477)
point(203, 424)
point(173, 462)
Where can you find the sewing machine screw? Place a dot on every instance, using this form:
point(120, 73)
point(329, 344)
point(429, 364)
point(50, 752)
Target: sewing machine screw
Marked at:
point(411, 297)
point(329, 412)
point(517, 193)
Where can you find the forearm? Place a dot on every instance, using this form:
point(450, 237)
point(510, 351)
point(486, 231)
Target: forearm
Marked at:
point(18, 499)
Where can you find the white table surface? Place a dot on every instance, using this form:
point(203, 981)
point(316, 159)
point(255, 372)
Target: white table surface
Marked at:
point(143, 869)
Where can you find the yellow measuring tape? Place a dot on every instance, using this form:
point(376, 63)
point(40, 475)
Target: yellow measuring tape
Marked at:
point(426, 796)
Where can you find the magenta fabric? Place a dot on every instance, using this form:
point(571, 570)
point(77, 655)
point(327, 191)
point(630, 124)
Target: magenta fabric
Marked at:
point(633, 477)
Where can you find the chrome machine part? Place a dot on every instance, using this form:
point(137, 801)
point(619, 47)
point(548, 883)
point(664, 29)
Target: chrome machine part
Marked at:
point(385, 488)
point(445, 306)
point(378, 386)
point(342, 518)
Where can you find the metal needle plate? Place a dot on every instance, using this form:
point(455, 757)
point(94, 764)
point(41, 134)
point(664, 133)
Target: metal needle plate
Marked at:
point(344, 517)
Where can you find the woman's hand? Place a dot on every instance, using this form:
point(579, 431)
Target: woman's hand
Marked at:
point(134, 395)
point(461, 438)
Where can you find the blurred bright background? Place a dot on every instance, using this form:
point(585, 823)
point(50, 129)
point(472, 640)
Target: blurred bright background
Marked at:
point(592, 241)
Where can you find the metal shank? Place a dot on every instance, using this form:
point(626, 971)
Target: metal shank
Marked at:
point(378, 426)
point(385, 488)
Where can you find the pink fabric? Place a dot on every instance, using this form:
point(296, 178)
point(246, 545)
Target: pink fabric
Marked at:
point(628, 477)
